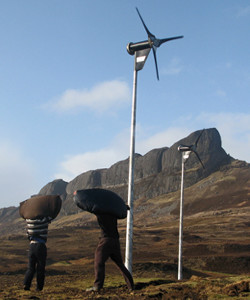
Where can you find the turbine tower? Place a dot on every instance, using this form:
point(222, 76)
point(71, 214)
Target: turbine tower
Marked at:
point(141, 51)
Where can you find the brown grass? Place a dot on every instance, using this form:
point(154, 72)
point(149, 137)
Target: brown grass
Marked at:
point(216, 248)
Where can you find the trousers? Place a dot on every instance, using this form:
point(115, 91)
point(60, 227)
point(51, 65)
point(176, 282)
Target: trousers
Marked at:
point(37, 263)
point(110, 247)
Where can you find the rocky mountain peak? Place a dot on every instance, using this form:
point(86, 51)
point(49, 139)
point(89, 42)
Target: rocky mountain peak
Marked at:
point(157, 172)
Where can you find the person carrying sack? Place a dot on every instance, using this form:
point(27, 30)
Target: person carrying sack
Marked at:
point(109, 246)
point(38, 211)
point(37, 231)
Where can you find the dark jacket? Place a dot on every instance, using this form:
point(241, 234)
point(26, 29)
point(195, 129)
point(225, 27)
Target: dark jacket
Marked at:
point(108, 224)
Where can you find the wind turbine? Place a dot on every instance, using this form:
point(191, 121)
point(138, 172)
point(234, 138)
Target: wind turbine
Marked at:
point(145, 47)
point(186, 151)
point(141, 51)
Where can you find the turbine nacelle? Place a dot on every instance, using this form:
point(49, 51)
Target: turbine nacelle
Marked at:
point(133, 47)
point(186, 150)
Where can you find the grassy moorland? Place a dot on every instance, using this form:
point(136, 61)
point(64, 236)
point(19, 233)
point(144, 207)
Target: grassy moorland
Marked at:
point(72, 286)
point(216, 248)
point(215, 266)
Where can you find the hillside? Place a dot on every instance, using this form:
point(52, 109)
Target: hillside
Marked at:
point(157, 173)
point(216, 244)
point(216, 247)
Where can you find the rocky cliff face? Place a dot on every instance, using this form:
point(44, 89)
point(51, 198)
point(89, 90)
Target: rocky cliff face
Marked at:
point(56, 187)
point(157, 172)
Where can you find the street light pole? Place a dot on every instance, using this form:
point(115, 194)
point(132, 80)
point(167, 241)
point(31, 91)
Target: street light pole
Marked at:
point(186, 151)
point(185, 156)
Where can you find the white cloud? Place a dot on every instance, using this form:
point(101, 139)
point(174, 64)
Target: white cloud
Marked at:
point(100, 98)
point(75, 165)
point(118, 150)
point(16, 175)
point(165, 138)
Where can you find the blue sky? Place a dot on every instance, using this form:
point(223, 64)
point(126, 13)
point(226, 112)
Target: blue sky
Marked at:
point(66, 84)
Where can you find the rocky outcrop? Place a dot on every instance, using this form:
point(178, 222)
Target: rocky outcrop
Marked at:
point(10, 221)
point(117, 174)
point(210, 151)
point(56, 187)
point(8, 214)
point(157, 172)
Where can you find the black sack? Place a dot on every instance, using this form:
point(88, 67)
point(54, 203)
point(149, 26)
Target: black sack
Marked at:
point(40, 206)
point(100, 201)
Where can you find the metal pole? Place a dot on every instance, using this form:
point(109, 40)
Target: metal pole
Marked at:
point(129, 233)
point(180, 277)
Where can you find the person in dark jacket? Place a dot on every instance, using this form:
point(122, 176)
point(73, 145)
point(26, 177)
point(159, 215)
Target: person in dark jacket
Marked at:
point(109, 246)
point(37, 231)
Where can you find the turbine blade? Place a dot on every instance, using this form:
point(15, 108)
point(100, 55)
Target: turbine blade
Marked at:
point(157, 73)
point(199, 158)
point(146, 28)
point(161, 41)
point(196, 142)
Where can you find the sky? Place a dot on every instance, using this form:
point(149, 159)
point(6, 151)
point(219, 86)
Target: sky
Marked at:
point(66, 83)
